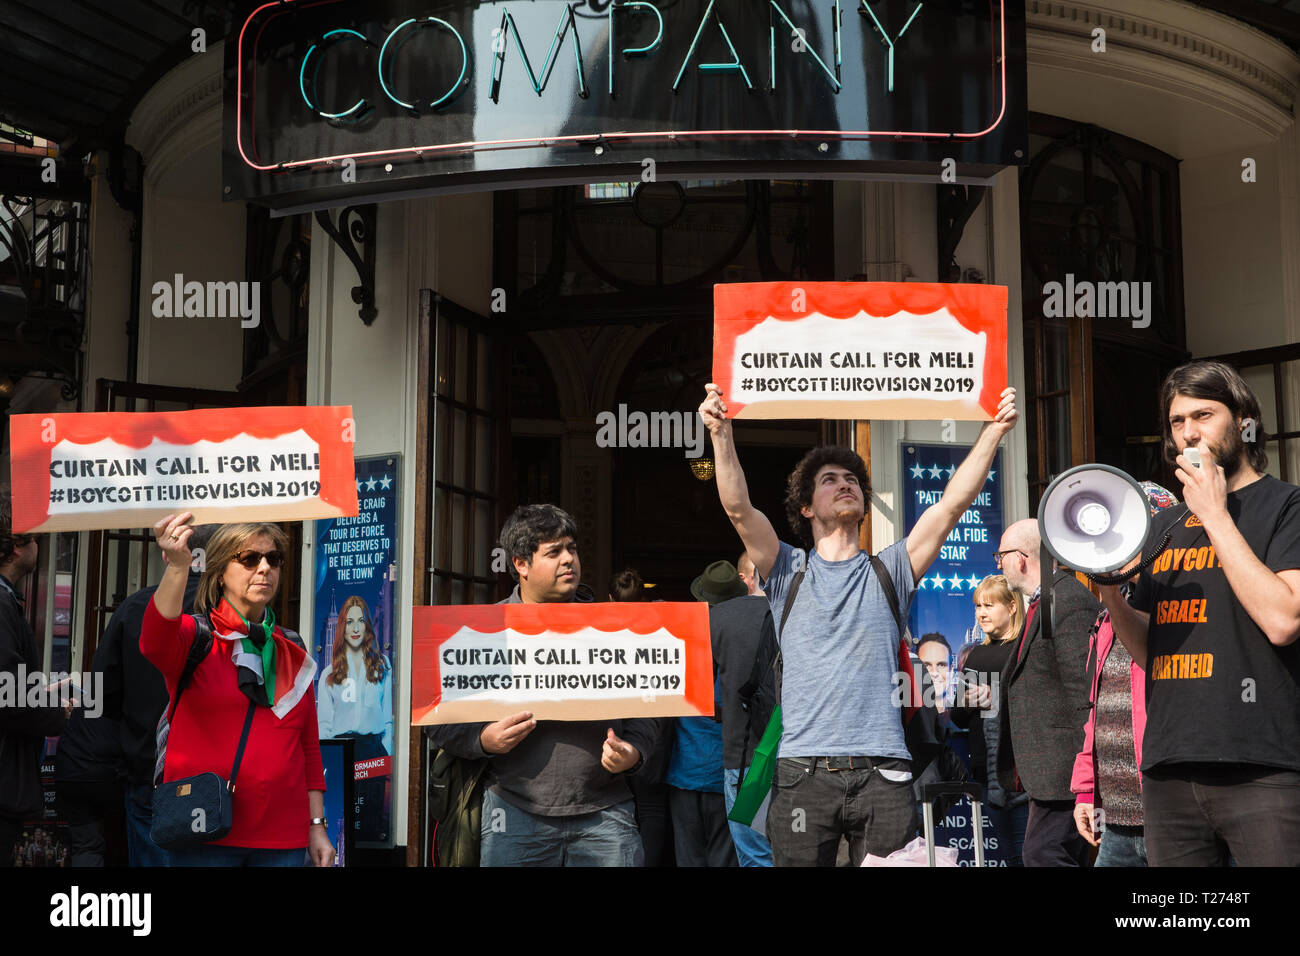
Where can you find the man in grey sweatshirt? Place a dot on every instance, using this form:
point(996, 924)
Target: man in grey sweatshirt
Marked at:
point(558, 794)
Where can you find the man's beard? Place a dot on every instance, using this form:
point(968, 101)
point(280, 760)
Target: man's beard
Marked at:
point(851, 514)
point(1230, 457)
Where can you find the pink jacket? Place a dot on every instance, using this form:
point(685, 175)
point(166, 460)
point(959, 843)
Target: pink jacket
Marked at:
point(1083, 781)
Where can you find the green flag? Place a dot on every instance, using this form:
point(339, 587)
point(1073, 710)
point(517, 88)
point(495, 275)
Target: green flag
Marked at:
point(756, 789)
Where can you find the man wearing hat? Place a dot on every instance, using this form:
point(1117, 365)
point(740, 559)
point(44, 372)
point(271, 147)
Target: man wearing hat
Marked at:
point(700, 833)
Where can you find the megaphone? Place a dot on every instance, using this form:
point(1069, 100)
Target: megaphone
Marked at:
point(1094, 519)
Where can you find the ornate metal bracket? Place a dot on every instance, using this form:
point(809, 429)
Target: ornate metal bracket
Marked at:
point(355, 235)
point(956, 204)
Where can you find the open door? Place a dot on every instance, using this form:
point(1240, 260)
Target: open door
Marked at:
point(462, 459)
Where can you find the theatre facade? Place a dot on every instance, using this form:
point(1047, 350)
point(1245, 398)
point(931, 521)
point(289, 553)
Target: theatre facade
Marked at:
point(491, 227)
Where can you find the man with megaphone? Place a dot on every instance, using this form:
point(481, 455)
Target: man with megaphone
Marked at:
point(1215, 615)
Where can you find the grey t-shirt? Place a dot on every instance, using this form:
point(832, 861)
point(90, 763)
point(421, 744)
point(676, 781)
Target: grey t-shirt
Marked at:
point(839, 654)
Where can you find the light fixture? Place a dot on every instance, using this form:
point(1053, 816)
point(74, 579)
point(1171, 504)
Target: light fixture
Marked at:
point(702, 467)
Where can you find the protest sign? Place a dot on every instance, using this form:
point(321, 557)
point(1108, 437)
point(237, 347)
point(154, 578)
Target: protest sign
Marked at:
point(84, 471)
point(862, 350)
point(561, 661)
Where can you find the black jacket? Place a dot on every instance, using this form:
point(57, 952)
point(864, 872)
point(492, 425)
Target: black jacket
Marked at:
point(737, 630)
point(1045, 695)
point(23, 729)
point(134, 692)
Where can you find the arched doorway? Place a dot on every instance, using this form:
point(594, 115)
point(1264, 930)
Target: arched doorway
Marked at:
point(667, 521)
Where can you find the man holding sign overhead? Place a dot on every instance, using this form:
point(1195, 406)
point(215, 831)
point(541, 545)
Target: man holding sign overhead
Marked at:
point(843, 767)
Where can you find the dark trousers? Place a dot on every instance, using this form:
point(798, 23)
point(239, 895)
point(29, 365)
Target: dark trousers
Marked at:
point(93, 812)
point(1051, 838)
point(652, 819)
point(1009, 825)
point(814, 809)
point(10, 827)
point(701, 836)
point(1199, 815)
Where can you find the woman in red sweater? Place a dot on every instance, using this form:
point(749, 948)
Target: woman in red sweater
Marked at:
point(279, 801)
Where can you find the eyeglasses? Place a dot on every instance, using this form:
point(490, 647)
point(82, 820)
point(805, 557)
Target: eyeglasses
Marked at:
point(998, 555)
point(253, 559)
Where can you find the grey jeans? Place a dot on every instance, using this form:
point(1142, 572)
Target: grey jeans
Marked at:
point(813, 809)
point(515, 837)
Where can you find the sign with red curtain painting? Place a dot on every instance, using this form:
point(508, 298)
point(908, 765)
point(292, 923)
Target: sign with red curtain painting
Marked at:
point(84, 471)
point(861, 350)
point(572, 661)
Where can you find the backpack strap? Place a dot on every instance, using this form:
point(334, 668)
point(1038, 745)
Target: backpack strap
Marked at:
point(887, 582)
point(778, 665)
point(198, 651)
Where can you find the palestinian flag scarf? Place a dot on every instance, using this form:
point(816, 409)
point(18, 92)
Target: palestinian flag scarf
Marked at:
point(273, 671)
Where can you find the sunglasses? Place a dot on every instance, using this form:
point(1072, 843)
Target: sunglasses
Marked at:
point(253, 559)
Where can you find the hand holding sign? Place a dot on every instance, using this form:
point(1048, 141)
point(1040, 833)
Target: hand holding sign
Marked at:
point(713, 411)
point(617, 755)
point(506, 734)
point(1007, 414)
point(173, 536)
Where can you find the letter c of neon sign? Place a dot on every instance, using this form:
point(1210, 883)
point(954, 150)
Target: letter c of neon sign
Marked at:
point(358, 108)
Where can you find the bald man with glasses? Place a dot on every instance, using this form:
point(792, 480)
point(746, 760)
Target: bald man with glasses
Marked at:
point(1045, 695)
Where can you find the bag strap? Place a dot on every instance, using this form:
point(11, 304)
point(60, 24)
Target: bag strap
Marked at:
point(778, 664)
point(198, 651)
point(887, 583)
point(751, 685)
point(243, 740)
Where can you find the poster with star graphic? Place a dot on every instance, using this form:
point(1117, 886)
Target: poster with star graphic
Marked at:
point(945, 597)
point(355, 561)
point(945, 602)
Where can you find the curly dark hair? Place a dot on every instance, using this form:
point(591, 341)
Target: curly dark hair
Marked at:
point(799, 487)
point(1217, 382)
point(530, 525)
point(627, 586)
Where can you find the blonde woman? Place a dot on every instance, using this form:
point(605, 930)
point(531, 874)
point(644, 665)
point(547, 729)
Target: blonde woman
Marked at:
point(251, 666)
point(1000, 614)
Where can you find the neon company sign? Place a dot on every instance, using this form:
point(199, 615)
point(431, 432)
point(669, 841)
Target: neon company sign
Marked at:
point(427, 89)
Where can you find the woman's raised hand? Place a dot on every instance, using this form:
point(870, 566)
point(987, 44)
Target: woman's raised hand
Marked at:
point(173, 536)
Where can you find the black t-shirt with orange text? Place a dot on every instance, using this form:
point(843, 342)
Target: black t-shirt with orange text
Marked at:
point(1217, 690)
